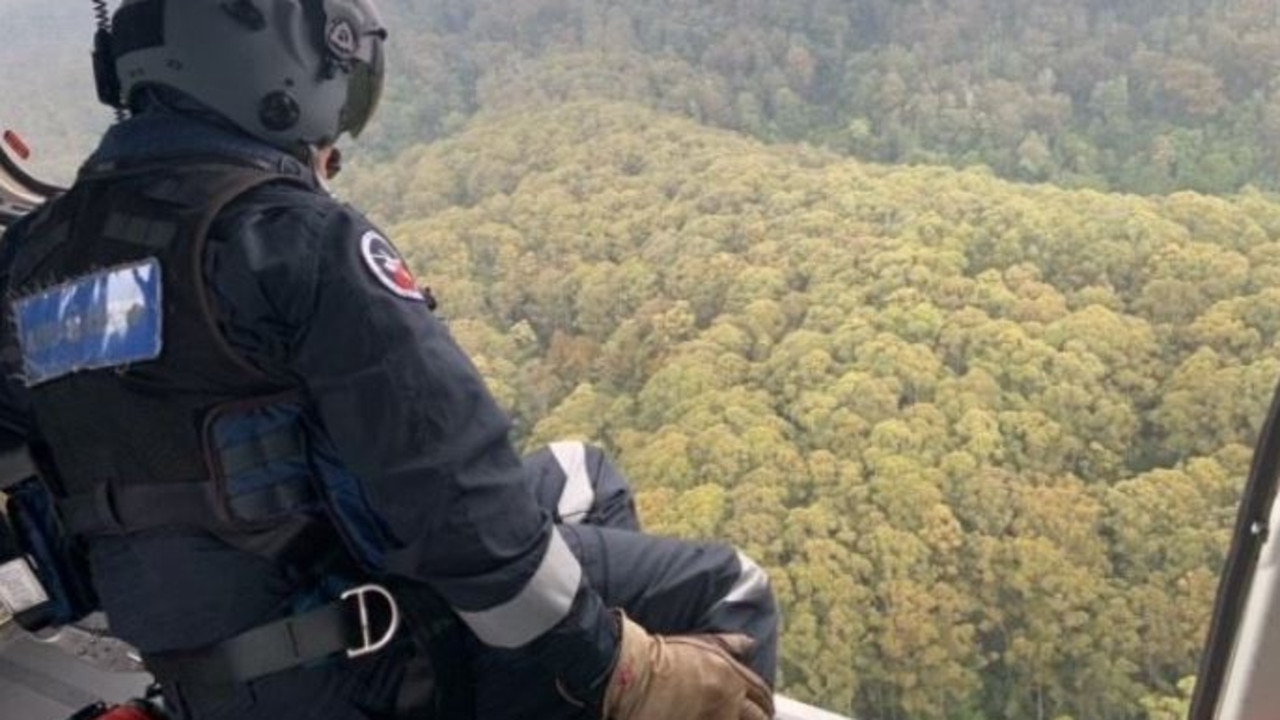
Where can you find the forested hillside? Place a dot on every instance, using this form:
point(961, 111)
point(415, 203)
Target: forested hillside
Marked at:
point(1137, 95)
point(987, 438)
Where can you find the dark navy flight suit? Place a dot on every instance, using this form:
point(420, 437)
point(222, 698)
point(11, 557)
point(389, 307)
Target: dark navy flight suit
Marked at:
point(529, 555)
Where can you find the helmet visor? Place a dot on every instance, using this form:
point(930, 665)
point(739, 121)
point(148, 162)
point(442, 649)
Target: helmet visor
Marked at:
point(364, 92)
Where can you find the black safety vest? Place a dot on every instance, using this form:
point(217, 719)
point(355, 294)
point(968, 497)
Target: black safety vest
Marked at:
point(156, 443)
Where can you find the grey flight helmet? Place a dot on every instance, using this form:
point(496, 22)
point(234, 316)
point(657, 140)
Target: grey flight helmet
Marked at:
point(294, 73)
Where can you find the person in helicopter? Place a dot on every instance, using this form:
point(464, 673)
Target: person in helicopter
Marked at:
point(267, 443)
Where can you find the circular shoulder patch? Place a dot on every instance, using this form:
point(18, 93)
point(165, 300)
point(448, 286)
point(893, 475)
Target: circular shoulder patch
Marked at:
point(384, 261)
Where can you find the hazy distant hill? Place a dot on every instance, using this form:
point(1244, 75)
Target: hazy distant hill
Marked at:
point(1141, 95)
point(987, 437)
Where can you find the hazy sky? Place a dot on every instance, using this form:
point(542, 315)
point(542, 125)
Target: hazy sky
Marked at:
point(46, 88)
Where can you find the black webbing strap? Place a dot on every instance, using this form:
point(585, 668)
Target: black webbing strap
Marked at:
point(364, 621)
point(262, 651)
point(125, 509)
point(119, 510)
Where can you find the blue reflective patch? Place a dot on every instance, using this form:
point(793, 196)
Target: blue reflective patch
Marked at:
point(108, 319)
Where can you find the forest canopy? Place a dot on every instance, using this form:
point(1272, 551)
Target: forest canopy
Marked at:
point(987, 438)
point(783, 259)
point(1145, 96)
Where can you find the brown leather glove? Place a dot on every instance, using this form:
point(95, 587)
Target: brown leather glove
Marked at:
point(684, 678)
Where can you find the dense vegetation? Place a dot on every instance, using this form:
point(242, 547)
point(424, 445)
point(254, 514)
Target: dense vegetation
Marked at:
point(987, 438)
point(1139, 95)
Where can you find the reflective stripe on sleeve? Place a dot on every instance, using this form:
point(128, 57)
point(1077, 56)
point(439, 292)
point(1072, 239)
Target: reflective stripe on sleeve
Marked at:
point(540, 606)
point(578, 496)
point(752, 582)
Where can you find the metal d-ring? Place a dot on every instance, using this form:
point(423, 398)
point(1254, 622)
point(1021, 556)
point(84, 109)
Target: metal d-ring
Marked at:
point(366, 632)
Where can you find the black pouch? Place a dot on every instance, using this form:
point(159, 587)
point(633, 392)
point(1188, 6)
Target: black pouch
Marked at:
point(44, 576)
point(257, 455)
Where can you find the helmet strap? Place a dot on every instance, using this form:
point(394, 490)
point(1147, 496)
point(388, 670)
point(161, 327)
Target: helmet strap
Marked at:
point(104, 70)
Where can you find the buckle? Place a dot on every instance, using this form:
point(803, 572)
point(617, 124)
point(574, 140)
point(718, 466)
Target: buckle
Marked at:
point(366, 631)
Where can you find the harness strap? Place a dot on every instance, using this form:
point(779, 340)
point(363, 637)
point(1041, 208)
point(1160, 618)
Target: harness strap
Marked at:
point(124, 509)
point(262, 651)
